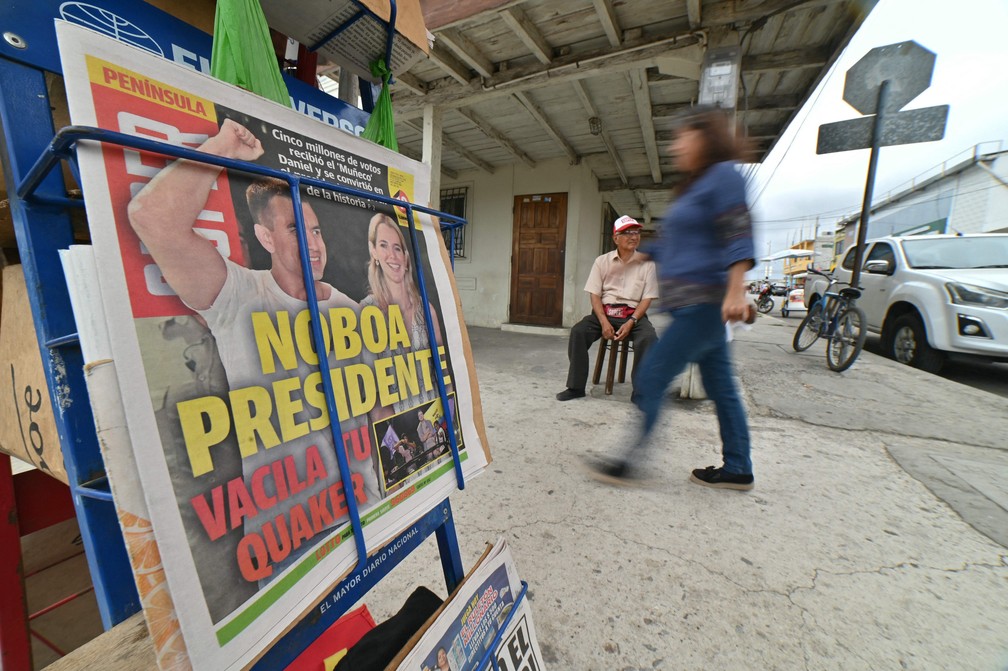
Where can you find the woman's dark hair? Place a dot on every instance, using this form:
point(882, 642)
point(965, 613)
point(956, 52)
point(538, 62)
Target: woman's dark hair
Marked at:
point(720, 140)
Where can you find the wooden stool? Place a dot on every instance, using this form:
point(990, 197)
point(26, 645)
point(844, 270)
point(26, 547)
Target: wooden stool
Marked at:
point(621, 349)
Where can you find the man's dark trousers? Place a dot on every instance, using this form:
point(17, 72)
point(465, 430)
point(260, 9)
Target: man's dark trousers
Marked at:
point(587, 331)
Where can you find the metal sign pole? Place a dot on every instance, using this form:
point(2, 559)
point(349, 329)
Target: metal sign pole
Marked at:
point(883, 98)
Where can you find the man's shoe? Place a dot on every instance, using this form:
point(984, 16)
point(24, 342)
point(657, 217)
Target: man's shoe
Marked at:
point(718, 478)
point(568, 394)
point(612, 473)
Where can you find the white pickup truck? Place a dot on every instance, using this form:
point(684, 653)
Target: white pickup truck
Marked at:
point(932, 296)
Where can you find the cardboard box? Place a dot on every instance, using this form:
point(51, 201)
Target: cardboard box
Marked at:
point(27, 423)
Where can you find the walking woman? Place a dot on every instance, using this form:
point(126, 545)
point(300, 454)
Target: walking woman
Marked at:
point(704, 249)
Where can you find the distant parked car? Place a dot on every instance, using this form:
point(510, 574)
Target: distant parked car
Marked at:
point(779, 289)
point(931, 296)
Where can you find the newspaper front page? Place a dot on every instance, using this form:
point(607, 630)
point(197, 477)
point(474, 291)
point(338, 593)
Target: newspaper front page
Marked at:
point(463, 633)
point(222, 386)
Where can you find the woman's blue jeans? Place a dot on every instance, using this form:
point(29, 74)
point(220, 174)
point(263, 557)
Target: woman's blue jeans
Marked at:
point(696, 335)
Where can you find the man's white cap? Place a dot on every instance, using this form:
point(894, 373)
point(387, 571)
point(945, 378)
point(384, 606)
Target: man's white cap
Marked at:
point(624, 223)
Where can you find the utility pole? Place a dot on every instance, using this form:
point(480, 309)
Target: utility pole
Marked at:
point(815, 243)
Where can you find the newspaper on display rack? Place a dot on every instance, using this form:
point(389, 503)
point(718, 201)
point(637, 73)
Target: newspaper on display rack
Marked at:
point(465, 629)
point(244, 515)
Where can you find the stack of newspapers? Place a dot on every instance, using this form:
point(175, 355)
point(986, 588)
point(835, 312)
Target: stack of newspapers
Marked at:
point(462, 635)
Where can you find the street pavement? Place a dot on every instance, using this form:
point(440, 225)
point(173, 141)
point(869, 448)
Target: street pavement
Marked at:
point(876, 536)
point(989, 376)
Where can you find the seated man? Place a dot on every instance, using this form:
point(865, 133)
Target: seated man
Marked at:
point(621, 285)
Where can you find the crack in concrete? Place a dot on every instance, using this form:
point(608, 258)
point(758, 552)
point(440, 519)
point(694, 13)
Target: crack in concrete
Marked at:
point(776, 414)
point(815, 578)
point(809, 629)
point(966, 566)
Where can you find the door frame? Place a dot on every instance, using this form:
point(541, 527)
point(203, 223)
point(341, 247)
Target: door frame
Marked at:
point(515, 239)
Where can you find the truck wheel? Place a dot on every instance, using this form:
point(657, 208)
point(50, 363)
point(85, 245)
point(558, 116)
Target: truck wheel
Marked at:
point(907, 343)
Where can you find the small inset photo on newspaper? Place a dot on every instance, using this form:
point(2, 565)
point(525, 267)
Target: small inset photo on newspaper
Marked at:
point(414, 442)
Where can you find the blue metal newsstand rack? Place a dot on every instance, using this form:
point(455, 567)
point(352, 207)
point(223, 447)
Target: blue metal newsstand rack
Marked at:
point(39, 205)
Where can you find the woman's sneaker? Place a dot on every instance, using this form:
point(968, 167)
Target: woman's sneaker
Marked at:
point(717, 477)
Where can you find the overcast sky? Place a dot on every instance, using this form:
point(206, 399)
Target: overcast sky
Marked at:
point(968, 37)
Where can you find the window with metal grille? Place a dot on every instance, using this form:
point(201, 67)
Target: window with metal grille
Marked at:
point(453, 201)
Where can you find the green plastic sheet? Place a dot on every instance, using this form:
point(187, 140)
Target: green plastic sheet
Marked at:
point(380, 127)
point(243, 51)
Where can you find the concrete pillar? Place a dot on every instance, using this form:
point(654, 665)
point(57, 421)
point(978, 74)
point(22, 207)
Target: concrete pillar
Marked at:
point(432, 151)
point(349, 87)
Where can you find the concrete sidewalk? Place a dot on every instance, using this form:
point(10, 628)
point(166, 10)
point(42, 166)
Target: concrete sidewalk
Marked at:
point(848, 554)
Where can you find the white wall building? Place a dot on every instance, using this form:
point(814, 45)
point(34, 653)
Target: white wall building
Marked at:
point(485, 274)
point(966, 194)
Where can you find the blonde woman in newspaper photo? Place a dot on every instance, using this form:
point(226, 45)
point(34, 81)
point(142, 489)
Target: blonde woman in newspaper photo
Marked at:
point(390, 282)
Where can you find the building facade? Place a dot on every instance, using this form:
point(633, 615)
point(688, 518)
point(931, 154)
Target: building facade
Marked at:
point(966, 194)
point(532, 236)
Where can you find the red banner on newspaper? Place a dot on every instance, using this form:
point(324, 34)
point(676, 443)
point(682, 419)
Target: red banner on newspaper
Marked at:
point(161, 113)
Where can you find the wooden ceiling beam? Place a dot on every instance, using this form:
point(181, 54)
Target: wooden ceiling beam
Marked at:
point(816, 57)
point(728, 12)
point(642, 103)
point(408, 81)
point(630, 55)
point(770, 103)
point(467, 51)
point(496, 136)
point(447, 62)
point(409, 151)
point(693, 13)
point(641, 183)
point(641, 52)
point(540, 116)
point(607, 16)
point(528, 33)
point(753, 133)
point(590, 109)
point(458, 149)
point(440, 14)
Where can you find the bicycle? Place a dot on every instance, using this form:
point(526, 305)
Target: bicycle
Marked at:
point(835, 317)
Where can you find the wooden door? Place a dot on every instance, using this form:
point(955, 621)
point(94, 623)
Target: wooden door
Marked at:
point(537, 259)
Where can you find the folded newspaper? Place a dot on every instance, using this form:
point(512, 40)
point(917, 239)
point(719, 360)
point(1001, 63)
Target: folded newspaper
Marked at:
point(465, 630)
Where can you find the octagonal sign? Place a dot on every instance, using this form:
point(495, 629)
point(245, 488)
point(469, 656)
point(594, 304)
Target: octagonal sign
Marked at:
point(907, 66)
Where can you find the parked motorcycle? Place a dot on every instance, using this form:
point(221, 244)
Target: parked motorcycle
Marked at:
point(764, 301)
